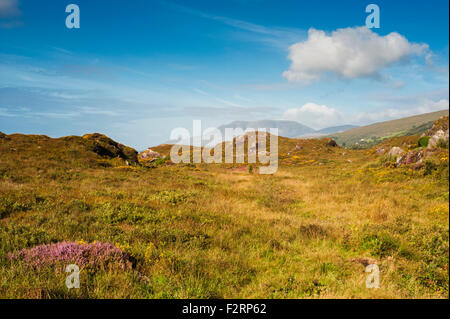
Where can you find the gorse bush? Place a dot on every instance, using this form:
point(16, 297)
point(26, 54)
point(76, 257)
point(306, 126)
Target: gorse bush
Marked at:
point(423, 141)
point(125, 212)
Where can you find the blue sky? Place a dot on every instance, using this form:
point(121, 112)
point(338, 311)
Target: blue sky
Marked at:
point(137, 69)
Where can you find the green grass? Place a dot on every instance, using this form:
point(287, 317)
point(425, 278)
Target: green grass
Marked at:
point(217, 231)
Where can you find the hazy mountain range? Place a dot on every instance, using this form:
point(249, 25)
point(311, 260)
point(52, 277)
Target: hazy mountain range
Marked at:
point(347, 135)
point(286, 128)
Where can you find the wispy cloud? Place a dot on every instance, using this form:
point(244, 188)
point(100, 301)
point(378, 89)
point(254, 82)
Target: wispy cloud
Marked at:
point(6, 113)
point(228, 102)
point(61, 50)
point(274, 36)
point(200, 91)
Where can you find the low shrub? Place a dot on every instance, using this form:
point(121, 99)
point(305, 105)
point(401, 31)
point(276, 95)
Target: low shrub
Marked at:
point(96, 255)
point(423, 141)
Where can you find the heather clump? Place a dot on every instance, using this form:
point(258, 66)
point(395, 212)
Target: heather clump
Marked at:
point(94, 255)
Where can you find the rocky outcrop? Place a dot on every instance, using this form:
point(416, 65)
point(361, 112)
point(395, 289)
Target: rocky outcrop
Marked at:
point(440, 137)
point(331, 142)
point(412, 157)
point(439, 133)
point(2, 135)
point(395, 151)
point(442, 124)
point(149, 154)
point(104, 146)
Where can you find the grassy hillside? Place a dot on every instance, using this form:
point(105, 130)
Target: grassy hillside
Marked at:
point(219, 231)
point(367, 136)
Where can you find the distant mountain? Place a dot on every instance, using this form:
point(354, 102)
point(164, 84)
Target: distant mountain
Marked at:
point(285, 128)
point(336, 129)
point(346, 135)
point(327, 131)
point(367, 136)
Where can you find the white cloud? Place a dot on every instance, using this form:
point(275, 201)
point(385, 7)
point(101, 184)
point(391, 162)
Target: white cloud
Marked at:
point(228, 102)
point(9, 8)
point(321, 116)
point(348, 53)
point(424, 106)
point(314, 115)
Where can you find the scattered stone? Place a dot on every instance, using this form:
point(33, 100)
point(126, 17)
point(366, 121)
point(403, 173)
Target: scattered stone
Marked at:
point(331, 142)
point(396, 151)
point(149, 154)
point(381, 151)
point(412, 157)
point(440, 135)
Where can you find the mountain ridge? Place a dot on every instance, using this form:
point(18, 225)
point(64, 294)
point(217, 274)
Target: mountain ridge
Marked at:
point(286, 128)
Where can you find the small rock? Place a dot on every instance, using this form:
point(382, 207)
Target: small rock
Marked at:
point(381, 151)
point(331, 143)
point(149, 154)
point(395, 151)
point(438, 136)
